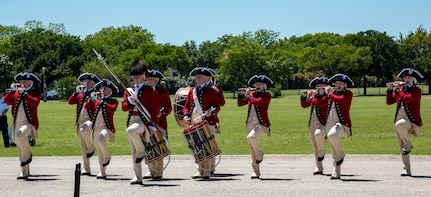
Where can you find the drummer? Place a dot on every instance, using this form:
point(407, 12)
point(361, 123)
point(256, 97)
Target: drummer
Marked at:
point(202, 104)
point(154, 76)
point(257, 122)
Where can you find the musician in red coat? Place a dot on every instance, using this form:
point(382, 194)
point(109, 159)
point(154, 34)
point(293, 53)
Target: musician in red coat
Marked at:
point(316, 125)
point(25, 101)
point(338, 118)
point(139, 123)
point(154, 76)
point(257, 122)
point(83, 117)
point(407, 116)
point(212, 81)
point(202, 103)
point(103, 106)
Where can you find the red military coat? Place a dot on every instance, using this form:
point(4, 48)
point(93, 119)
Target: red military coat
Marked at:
point(149, 99)
point(108, 107)
point(30, 99)
point(165, 106)
point(80, 99)
point(411, 99)
point(261, 101)
point(219, 91)
point(343, 100)
point(207, 98)
point(318, 102)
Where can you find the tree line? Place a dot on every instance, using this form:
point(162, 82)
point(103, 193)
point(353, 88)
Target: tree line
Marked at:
point(370, 58)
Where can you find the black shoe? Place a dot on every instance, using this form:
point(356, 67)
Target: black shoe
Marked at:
point(205, 177)
point(318, 173)
point(86, 173)
point(157, 178)
point(334, 178)
point(101, 177)
point(12, 144)
point(139, 160)
point(90, 154)
point(136, 183)
point(254, 176)
point(196, 177)
point(22, 177)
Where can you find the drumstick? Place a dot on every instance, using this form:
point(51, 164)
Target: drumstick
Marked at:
point(211, 109)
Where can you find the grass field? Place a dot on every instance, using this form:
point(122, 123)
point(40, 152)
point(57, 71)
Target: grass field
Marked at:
point(372, 119)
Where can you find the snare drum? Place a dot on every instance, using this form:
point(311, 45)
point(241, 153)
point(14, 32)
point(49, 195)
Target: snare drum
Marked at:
point(179, 102)
point(156, 148)
point(201, 142)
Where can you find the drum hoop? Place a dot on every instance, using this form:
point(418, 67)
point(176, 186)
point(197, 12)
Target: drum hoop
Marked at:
point(195, 126)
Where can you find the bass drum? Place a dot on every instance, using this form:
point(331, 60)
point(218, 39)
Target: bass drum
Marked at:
point(179, 102)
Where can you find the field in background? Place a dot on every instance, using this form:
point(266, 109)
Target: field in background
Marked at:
point(372, 119)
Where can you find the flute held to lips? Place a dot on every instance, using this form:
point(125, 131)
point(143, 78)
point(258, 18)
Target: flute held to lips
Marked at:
point(393, 83)
point(244, 89)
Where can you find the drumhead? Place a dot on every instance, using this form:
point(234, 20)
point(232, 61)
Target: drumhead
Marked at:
point(179, 102)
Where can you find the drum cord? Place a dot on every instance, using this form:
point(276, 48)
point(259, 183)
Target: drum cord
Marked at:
point(216, 164)
point(164, 167)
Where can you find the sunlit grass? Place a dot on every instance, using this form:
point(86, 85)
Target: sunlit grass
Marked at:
point(372, 119)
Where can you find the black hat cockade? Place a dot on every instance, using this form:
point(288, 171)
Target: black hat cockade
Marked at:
point(260, 78)
point(107, 83)
point(318, 80)
point(341, 77)
point(89, 76)
point(26, 76)
point(155, 73)
point(410, 72)
point(201, 71)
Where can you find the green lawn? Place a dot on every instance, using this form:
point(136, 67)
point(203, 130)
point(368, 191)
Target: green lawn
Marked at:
point(372, 120)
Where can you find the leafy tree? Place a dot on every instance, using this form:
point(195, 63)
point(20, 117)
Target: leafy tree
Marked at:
point(5, 74)
point(384, 54)
point(37, 47)
point(416, 50)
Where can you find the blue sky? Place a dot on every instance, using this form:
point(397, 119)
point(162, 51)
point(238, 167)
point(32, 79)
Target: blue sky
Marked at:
point(179, 21)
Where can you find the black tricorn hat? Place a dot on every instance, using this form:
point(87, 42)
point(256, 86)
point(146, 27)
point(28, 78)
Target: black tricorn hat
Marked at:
point(341, 77)
point(410, 72)
point(213, 72)
point(89, 76)
point(318, 80)
point(201, 70)
point(138, 68)
point(107, 83)
point(26, 76)
point(260, 78)
point(155, 73)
